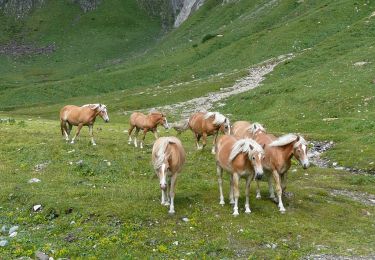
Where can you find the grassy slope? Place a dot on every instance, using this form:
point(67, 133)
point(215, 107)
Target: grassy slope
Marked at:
point(121, 214)
point(116, 209)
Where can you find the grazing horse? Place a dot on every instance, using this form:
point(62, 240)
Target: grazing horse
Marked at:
point(209, 123)
point(241, 158)
point(277, 161)
point(79, 116)
point(147, 123)
point(168, 156)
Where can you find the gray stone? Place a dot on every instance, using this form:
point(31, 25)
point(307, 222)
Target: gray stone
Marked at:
point(3, 243)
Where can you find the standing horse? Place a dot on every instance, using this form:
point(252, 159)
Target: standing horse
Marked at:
point(168, 156)
point(277, 161)
point(241, 158)
point(79, 116)
point(206, 124)
point(147, 123)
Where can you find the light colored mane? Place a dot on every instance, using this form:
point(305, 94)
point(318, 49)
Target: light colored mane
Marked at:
point(243, 146)
point(160, 152)
point(287, 139)
point(254, 127)
point(218, 118)
point(95, 106)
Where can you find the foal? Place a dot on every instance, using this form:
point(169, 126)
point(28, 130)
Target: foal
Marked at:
point(241, 158)
point(140, 121)
point(168, 156)
point(245, 129)
point(206, 124)
point(79, 116)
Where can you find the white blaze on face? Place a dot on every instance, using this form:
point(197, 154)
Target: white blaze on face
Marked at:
point(105, 114)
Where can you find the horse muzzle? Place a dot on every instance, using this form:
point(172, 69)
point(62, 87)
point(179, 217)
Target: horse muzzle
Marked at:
point(258, 175)
point(107, 120)
point(163, 186)
point(305, 164)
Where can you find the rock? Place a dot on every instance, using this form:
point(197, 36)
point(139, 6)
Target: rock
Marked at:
point(34, 180)
point(41, 166)
point(185, 219)
point(13, 229)
point(4, 229)
point(3, 243)
point(175, 243)
point(80, 162)
point(13, 234)
point(37, 207)
point(41, 256)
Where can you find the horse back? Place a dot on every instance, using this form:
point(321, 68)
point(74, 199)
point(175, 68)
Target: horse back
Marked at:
point(240, 129)
point(176, 155)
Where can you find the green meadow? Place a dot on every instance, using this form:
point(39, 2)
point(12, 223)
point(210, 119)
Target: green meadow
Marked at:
point(103, 202)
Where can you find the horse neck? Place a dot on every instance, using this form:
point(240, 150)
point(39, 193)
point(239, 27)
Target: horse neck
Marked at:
point(287, 151)
point(153, 120)
point(93, 114)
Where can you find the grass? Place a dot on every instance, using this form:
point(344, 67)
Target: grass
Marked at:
point(125, 61)
point(100, 211)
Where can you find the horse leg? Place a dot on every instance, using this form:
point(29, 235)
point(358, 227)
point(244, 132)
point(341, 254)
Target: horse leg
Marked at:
point(231, 193)
point(276, 176)
point(236, 192)
point(135, 136)
point(172, 192)
point(219, 171)
point(91, 131)
point(64, 130)
point(143, 137)
point(70, 126)
point(130, 130)
point(78, 131)
point(270, 190)
point(258, 190)
point(167, 198)
point(197, 138)
point(247, 203)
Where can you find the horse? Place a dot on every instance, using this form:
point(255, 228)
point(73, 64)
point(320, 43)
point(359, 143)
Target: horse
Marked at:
point(206, 124)
point(85, 115)
point(245, 129)
point(149, 122)
point(241, 158)
point(168, 157)
point(277, 161)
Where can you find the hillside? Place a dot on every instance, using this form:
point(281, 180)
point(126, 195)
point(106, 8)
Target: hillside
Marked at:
point(103, 201)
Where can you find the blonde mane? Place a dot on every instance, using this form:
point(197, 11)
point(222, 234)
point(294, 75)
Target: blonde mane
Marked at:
point(254, 127)
point(287, 139)
point(219, 118)
point(160, 152)
point(95, 106)
point(244, 146)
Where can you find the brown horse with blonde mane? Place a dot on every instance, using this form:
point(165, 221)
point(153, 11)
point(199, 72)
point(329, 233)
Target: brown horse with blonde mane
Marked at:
point(149, 122)
point(168, 157)
point(206, 124)
point(278, 155)
point(241, 158)
point(81, 116)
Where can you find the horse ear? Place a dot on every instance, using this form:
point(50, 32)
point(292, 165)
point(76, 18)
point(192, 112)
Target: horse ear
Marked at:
point(297, 138)
point(255, 127)
point(264, 146)
point(251, 147)
point(172, 142)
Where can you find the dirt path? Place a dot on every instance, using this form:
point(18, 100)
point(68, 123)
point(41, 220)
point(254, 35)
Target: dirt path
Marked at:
point(256, 76)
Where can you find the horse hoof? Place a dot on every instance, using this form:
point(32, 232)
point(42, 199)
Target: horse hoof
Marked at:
point(235, 214)
point(247, 211)
point(171, 212)
point(282, 211)
point(94, 144)
point(167, 204)
point(72, 142)
point(258, 197)
point(222, 203)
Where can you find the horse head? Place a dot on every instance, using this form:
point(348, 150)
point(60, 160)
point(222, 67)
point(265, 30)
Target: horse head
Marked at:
point(256, 128)
point(300, 151)
point(163, 121)
point(103, 113)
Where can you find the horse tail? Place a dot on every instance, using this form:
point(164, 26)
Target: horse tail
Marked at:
point(181, 126)
point(62, 125)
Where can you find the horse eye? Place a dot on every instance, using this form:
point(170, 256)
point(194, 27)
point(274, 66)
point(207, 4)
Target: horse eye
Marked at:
point(253, 158)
